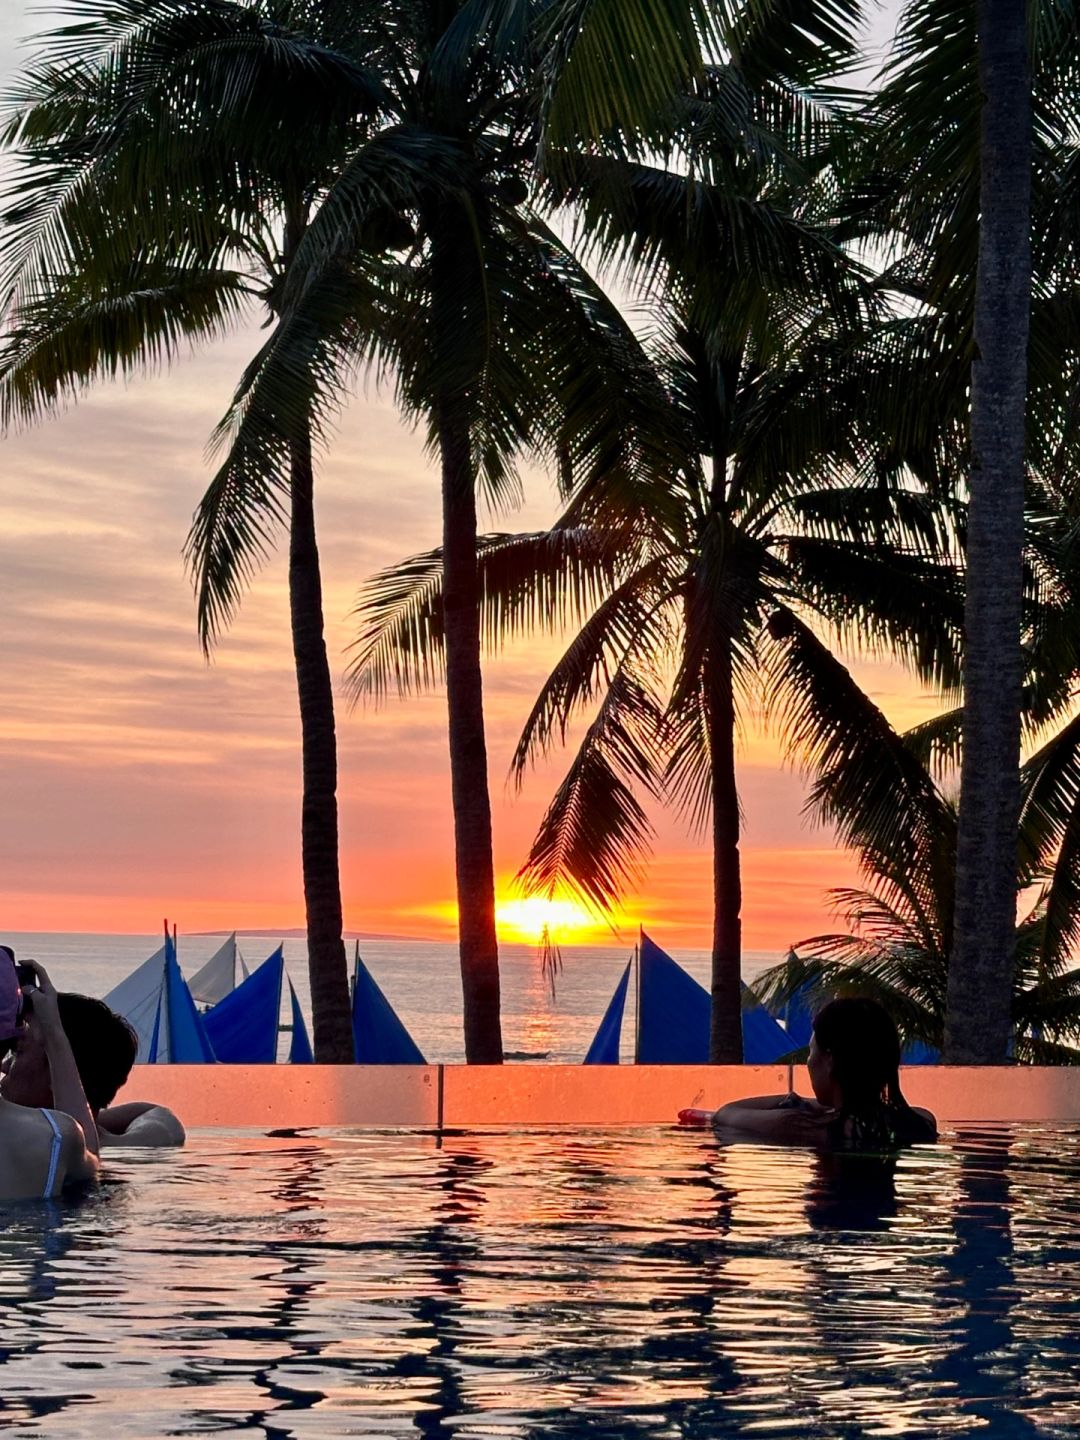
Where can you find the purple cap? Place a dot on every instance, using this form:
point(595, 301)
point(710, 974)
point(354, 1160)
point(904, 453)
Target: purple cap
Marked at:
point(11, 997)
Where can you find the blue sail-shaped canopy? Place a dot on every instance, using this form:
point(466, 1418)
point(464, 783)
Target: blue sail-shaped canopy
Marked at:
point(604, 1049)
point(763, 1039)
point(243, 1027)
point(673, 1018)
point(917, 1052)
point(798, 1010)
point(673, 1025)
point(138, 999)
point(300, 1046)
point(379, 1037)
point(179, 1035)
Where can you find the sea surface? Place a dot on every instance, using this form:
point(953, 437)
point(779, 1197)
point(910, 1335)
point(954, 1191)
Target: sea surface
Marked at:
point(421, 979)
point(550, 1285)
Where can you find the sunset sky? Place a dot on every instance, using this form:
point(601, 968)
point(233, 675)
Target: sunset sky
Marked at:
point(140, 781)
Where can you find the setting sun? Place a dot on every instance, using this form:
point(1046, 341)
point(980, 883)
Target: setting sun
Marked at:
point(523, 920)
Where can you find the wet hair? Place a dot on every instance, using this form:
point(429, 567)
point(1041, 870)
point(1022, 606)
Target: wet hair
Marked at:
point(103, 1043)
point(860, 1036)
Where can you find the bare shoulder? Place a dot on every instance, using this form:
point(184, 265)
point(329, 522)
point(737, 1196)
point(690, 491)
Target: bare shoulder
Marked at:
point(152, 1127)
point(77, 1162)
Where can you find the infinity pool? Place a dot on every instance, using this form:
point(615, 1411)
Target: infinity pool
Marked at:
point(638, 1283)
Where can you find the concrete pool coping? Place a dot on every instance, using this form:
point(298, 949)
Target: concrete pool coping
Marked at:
point(466, 1096)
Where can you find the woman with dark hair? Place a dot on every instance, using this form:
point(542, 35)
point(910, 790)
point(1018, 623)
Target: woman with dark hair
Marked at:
point(45, 1149)
point(104, 1047)
point(854, 1064)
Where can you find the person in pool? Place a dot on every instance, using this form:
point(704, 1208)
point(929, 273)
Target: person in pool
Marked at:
point(46, 1149)
point(854, 1065)
point(104, 1047)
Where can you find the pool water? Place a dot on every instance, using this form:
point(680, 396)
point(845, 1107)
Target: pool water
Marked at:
point(554, 1284)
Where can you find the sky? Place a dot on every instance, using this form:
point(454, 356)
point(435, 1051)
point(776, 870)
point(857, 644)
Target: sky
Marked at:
point(140, 781)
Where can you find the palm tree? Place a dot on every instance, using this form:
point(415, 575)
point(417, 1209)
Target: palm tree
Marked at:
point(898, 947)
point(496, 339)
point(163, 152)
point(979, 1016)
point(888, 797)
point(956, 189)
point(773, 512)
point(161, 194)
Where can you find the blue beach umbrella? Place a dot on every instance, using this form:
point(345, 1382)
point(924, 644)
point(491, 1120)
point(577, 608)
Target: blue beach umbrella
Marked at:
point(300, 1052)
point(379, 1037)
point(179, 1036)
point(243, 1028)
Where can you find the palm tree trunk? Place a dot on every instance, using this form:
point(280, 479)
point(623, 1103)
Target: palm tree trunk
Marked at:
point(725, 1024)
point(979, 1004)
point(327, 966)
point(468, 747)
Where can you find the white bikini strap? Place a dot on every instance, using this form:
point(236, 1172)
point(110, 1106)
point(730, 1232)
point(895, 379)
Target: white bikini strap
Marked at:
point(54, 1152)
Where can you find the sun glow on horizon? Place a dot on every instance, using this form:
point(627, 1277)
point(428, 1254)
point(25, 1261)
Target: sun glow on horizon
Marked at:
point(523, 919)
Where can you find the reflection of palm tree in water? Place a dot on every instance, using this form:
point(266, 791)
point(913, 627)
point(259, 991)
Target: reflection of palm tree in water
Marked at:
point(697, 1282)
point(981, 1361)
point(861, 1336)
point(887, 1322)
point(633, 1340)
point(288, 1290)
point(447, 1251)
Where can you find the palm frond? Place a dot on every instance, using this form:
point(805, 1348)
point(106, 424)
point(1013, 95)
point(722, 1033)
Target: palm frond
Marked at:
point(935, 743)
point(543, 580)
point(595, 832)
point(886, 601)
point(76, 332)
point(289, 394)
point(1050, 789)
point(628, 628)
point(869, 784)
point(137, 110)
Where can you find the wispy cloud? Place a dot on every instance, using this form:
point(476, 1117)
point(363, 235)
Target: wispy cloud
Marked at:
point(138, 778)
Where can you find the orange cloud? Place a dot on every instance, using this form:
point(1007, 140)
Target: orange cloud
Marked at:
point(140, 781)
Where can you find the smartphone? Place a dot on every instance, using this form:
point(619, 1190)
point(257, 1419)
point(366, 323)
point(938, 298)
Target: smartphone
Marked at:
point(27, 976)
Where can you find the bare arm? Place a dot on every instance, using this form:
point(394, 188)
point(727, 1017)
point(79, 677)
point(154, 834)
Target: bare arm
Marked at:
point(67, 1090)
point(140, 1123)
point(732, 1112)
point(799, 1125)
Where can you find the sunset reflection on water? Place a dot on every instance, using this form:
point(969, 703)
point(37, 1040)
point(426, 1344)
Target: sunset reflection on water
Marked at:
point(550, 1284)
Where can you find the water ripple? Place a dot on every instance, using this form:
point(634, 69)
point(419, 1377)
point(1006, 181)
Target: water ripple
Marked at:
point(551, 1285)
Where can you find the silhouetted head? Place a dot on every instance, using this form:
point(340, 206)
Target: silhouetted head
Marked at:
point(854, 1058)
point(104, 1046)
point(103, 1043)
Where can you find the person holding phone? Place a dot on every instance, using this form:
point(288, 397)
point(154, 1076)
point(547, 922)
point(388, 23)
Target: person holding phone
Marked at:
point(45, 1149)
point(104, 1046)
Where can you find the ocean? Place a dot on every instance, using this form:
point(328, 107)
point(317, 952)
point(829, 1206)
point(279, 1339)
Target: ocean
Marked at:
point(420, 978)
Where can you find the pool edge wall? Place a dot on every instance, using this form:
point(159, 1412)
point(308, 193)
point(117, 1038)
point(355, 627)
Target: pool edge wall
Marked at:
point(470, 1096)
